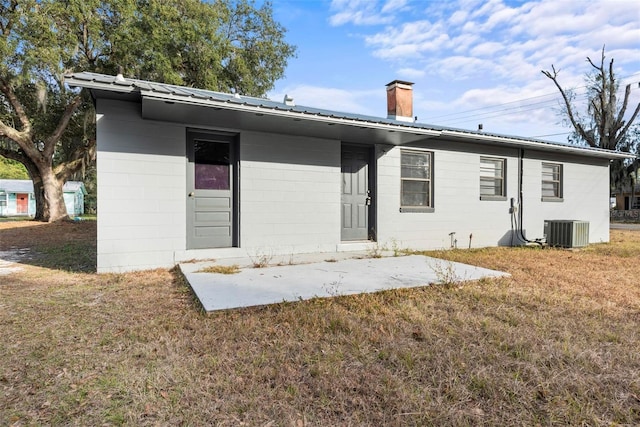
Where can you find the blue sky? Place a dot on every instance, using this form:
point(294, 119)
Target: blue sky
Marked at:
point(471, 61)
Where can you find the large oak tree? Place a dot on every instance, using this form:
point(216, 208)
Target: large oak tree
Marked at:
point(219, 45)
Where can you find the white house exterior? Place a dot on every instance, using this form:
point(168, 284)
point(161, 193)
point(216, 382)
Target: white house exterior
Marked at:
point(191, 174)
point(17, 199)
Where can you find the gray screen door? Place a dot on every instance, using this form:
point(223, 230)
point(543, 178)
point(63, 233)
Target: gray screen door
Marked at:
point(211, 197)
point(355, 193)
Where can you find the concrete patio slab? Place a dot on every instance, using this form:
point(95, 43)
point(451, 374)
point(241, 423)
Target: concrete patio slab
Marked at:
point(269, 285)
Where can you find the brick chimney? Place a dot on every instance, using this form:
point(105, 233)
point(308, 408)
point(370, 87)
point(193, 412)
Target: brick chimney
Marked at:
point(400, 101)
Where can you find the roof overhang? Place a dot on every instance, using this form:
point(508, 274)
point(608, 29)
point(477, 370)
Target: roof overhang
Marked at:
point(534, 144)
point(201, 112)
point(195, 107)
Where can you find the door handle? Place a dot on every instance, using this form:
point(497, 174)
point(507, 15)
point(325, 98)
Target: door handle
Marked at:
point(191, 194)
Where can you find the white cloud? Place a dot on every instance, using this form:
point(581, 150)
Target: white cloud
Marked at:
point(458, 17)
point(411, 73)
point(462, 67)
point(518, 105)
point(361, 12)
point(409, 40)
point(511, 43)
point(394, 5)
point(463, 42)
point(410, 32)
point(486, 49)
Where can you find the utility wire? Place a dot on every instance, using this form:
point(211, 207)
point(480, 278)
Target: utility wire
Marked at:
point(550, 134)
point(460, 115)
point(511, 110)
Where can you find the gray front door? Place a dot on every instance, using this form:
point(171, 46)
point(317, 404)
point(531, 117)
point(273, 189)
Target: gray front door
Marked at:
point(355, 193)
point(211, 172)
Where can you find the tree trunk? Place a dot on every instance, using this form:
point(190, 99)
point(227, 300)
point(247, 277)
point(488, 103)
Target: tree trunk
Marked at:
point(47, 190)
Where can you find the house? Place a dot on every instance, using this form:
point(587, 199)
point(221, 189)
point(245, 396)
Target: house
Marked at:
point(16, 197)
point(627, 204)
point(186, 174)
point(628, 198)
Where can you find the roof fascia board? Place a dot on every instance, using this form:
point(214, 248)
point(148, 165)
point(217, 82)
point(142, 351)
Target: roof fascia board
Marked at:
point(285, 113)
point(92, 85)
point(540, 145)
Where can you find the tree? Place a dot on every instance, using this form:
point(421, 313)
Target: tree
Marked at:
point(605, 124)
point(48, 127)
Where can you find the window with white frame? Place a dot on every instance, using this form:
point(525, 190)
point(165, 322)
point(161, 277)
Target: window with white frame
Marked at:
point(492, 178)
point(416, 193)
point(551, 181)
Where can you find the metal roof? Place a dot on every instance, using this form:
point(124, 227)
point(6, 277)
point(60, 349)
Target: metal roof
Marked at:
point(26, 186)
point(104, 86)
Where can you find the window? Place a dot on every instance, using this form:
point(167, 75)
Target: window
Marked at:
point(551, 182)
point(211, 165)
point(492, 182)
point(416, 193)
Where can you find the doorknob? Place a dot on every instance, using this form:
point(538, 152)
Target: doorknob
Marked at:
point(191, 194)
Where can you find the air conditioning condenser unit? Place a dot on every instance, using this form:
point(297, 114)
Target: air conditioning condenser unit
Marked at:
point(567, 233)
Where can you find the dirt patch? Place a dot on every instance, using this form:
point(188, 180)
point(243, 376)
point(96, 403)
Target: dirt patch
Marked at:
point(65, 245)
point(9, 258)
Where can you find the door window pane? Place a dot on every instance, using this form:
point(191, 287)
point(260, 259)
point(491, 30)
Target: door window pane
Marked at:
point(212, 165)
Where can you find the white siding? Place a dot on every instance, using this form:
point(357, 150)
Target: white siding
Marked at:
point(585, 194)
point(458, 208)
point(456, 201)
point(141, 189)
point(289, 197)
point(289, 194)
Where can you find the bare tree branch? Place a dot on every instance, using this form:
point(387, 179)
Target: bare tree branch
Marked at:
point(625, 129)
point(623, 108)
point(12, 154)
point(52, 140)
point(9, 132)
point(576, 125)
point(609, 109)
point(6, 89)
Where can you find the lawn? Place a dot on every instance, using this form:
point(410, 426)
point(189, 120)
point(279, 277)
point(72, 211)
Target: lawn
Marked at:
point(557, 343)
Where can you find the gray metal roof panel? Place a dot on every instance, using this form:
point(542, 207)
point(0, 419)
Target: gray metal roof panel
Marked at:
point(26, 186)
point(264, 103)
point(16, 185)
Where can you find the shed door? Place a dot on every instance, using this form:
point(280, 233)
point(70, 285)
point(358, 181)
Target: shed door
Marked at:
point(211, 180)
point(22, 203)
point(355, 193)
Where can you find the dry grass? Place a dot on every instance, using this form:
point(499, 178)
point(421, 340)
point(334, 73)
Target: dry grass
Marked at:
point(221, 269)
point(557, 343)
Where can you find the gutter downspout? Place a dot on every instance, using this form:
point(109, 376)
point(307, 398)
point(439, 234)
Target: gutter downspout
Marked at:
point(519, 224)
